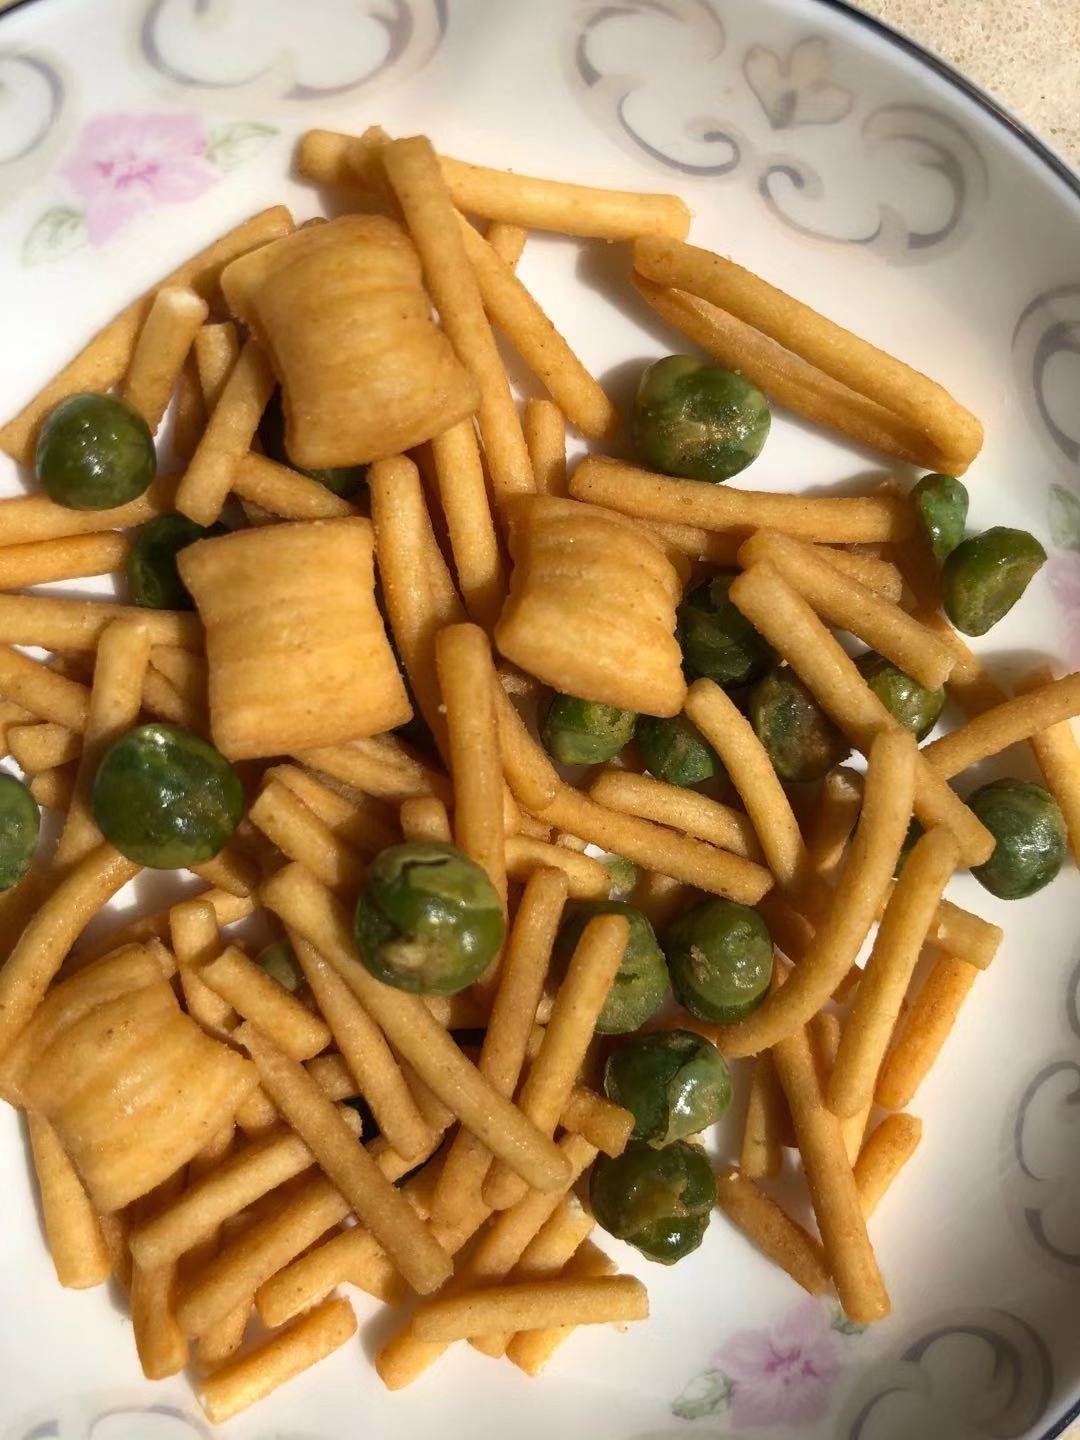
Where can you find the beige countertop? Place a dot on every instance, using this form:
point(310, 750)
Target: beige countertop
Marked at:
point(1025, 52)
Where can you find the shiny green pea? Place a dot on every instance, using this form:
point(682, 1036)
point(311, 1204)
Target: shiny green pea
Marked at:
point(659, 1201)
point(914, 834)
point(20, 822)
point(641, 984)
point(674, 1083)
point(905, 699)
point(698, 421)
point(803, 743)
point(343, 480)
point(153, 579)
point(716, 638)
point(428, 919)
point(985, 576)
point(720, 957)
point(165, 798)
point(1029, 828)
point(676, 751)
point(941, 507)
point(279, 961)
point(584, 732)
point(624, 875)
point(95, 452)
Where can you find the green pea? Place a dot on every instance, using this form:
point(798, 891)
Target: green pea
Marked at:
point(584, 732)
point(676, 751)
point(343, 480)
point(941, 507)
point(985, 576)
point(428, 919)
point(165, 798)
point(279, 961)
point(659, 1201)
point(914, 834)
point(1029, 828)
point(624, 875)
point(720, 956)
point(803, 743)
point(95, 452)
point(905, 699)
point(153, 579)
point(641, 985)
point(20, 822)
point(698, 421)
point(717, 639)
point(674, 1084)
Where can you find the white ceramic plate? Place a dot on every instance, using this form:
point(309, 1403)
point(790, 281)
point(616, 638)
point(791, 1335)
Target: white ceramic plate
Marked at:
point(853, 170)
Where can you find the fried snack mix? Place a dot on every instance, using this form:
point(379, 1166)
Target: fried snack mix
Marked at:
point(592, 606)
point(295, 644)
point(342, 312)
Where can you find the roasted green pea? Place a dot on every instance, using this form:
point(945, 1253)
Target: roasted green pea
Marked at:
point(941, 505)
point(343, 480)
point(641, 984)
point(279, 961)
point(584, 732)
point(803, 743)
point(676, 751)
point(1029, 828)
point(624, 875)
point(674, 1084)
point(20, 822)
point(165, 798)
point(698, 421)
point(985, 576)
point(659, 1201)
point(95, 452)
point(720, 957)
point(914, 834)
point(153, 579)
point(716, 638)
point(905, 699)
point(428, 919)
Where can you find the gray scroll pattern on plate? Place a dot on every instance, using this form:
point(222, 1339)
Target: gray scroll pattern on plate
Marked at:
point(903, 177)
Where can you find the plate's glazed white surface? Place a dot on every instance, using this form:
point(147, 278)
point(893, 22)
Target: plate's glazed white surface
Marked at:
point(842, 168)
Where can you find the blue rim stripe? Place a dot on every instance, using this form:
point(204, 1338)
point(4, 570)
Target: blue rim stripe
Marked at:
point(1054, 162)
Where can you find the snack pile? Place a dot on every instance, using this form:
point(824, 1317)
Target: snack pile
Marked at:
point(519, 798)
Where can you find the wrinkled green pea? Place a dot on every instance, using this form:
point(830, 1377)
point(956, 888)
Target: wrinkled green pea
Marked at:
point(279, 961)
point(343, 480)
point(428, 919)
point(676, 751)
point(20, 823)
point(584, 732)
point(716, 638)
point(720, 957)
point(641, 984)
point(674, 1083)
point(905, 699)
point(95, 452)
point(1029, 828)
point(624, 875)
point(914, 834)
point(985, 576)
point(803, 743)
point(153, 578)
point(165, 798)
point(941, 506)
point(659, 1201)
point(698, 421)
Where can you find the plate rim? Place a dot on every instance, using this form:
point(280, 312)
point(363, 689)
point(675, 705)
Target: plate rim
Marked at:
point(1063, 170)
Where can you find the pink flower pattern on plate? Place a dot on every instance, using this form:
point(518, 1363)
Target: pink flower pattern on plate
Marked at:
point(127, 164)
point(782, 1375)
